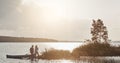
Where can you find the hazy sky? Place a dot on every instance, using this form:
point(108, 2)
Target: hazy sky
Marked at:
point(58, 19)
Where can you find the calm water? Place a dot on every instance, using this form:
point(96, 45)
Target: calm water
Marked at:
point(23, 48)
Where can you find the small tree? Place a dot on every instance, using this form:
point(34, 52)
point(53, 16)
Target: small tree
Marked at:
point(99, 32)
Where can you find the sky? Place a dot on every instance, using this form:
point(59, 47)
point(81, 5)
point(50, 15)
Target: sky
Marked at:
point(58, 19)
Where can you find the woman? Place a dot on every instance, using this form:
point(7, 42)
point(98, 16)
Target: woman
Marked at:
point(36, 51)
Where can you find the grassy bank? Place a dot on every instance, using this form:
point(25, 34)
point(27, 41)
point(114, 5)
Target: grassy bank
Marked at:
point(89, 49)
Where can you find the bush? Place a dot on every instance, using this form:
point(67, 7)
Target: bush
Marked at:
point(56, 54)
point(95, 49)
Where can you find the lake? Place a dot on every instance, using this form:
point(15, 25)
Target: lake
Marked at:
point(23, 48)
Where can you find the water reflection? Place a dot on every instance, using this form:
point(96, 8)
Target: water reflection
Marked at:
point(97, 60)
point(83, 60)
point(36, 61)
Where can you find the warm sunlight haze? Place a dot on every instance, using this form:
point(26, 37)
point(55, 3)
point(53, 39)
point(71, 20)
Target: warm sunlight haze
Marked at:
point(58, 19)
point(59, 31)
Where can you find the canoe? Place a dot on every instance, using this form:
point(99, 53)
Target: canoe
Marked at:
point(18, 56)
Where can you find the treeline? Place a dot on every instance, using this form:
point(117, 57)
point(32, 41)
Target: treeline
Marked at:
point(89, 49)
point(25, 39)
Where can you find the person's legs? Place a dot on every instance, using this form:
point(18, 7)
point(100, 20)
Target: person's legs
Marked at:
point(32, 56)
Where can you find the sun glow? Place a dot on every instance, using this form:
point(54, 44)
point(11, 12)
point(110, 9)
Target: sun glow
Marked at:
point(64, 46)
point(51, 11)
point(46, 18)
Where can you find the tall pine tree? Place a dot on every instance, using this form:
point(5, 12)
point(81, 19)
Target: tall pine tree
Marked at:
point(99, 32)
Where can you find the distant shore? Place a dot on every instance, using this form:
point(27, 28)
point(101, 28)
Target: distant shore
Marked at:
point(25, 39)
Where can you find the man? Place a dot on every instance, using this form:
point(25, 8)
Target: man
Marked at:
point(32, 52)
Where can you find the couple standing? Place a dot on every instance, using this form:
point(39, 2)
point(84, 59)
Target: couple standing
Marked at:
point(34, 51)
